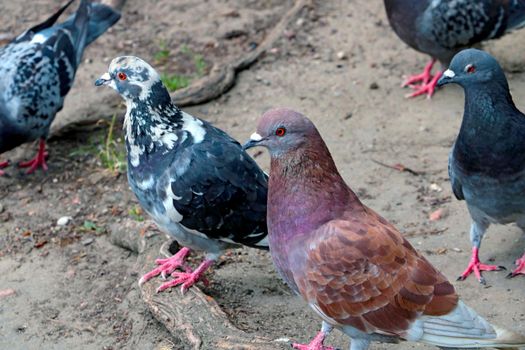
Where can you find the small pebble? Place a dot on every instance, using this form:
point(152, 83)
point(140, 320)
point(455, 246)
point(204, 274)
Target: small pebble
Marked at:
point(342, 55)
point(64, 220)
point(435, 187)
point(374, 86)
point(87, 241)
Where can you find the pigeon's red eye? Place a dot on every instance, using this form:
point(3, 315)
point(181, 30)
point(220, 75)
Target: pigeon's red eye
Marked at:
point(280, 132)
point(122, 76)
point(470, 68)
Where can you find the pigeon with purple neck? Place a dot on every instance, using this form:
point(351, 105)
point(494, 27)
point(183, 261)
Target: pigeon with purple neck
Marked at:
point(352, 267)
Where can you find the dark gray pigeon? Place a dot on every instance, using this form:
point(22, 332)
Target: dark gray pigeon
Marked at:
point(487, 161)
point(37, 70)
point(194, 180)
point(442, 28)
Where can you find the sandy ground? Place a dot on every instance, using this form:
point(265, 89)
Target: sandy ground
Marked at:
point(74, 289)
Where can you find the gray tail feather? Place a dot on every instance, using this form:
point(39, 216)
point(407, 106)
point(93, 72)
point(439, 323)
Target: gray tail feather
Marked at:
point(101, 19)
point(516, 18)
point(81, 17)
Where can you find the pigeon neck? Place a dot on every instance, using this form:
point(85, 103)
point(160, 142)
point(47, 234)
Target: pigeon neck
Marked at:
point(487, 111)
point(492, 131)
point(306, 190)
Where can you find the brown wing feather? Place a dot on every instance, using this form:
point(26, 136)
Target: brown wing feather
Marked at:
point(361, 272)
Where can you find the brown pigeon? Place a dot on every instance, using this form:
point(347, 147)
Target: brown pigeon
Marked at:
point(354, 268)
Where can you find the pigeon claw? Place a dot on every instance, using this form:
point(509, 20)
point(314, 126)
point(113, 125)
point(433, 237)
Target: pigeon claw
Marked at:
point(167, 266)
point(187, 279)
point(425, 88)
point(422, 78)
point(475, 266)
point(520, 269)
point(38, 161)
point(315, 344)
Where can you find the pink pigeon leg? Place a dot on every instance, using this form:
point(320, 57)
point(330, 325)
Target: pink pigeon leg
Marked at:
point(315, 344)
point(38, 161)
point(426, 88)
point(476, 266)
point(167, 266)
point(188, 278)
point(422, 78)
point(318, 342)
point(3, 165)
point(520, 270)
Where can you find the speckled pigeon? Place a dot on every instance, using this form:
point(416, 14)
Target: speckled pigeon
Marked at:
point(193, 179)
point(487, 161)
point(441, 28)
point(37, 70)
point(353, 268)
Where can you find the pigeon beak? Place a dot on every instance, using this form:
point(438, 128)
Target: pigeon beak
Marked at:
point(255, 139)
point(103, 80)
point(447, 77)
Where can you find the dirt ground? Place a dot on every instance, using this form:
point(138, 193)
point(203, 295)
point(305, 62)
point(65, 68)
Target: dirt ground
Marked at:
point(340, 64)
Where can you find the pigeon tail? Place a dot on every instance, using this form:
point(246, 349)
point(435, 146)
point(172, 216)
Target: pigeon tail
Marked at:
point(101, 19)
point(79, 23)
point(463, 328)
point(516, 18)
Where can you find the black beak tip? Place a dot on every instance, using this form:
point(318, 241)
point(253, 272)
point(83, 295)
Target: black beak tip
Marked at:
point(99, 82)
point(249, 144)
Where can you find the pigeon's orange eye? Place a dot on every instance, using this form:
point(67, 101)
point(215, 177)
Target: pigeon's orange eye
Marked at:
point(122, 76)
point(280, 132)
point(470, 68)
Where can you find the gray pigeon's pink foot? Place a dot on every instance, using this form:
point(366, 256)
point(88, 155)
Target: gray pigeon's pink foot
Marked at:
point(188, 278)
point(167, 266)
point(520, 270)
point(315, 344)
point(422, 78)
point(38, 161)
point(476, 266)
point(3, 165)
point(426, 88)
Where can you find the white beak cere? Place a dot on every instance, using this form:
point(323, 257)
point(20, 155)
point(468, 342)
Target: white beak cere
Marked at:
point(256, 137)
point(449, 73)
point(106, 76)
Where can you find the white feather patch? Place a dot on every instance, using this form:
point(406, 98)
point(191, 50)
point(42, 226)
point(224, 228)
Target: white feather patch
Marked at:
point(194, 127)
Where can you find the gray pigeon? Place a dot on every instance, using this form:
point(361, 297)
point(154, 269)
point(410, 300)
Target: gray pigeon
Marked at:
point(37, 70)
point(487, 161)
point(442, 28)
point(194, 180)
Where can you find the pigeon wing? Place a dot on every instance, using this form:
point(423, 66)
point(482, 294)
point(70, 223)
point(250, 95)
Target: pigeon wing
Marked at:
point(219, 190)
point(361, 272)
point(455, 24)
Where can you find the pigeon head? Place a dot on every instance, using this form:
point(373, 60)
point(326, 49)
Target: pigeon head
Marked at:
point(471, 67)
point(134, 79)
point(282, 130)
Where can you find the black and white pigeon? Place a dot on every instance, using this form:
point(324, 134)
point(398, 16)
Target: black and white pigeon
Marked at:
point(442, 28)
point(487, 161)
point(194, 180)
point(37, 70)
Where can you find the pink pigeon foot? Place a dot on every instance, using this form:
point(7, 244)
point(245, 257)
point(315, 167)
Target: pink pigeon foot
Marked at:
point(426, 88)
point(167, 266)
point(315, 344)
point(476, 266)
point(422, 78)
point(3, 165)
point(520, 270)
point(38, 161)
point(188, 278)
